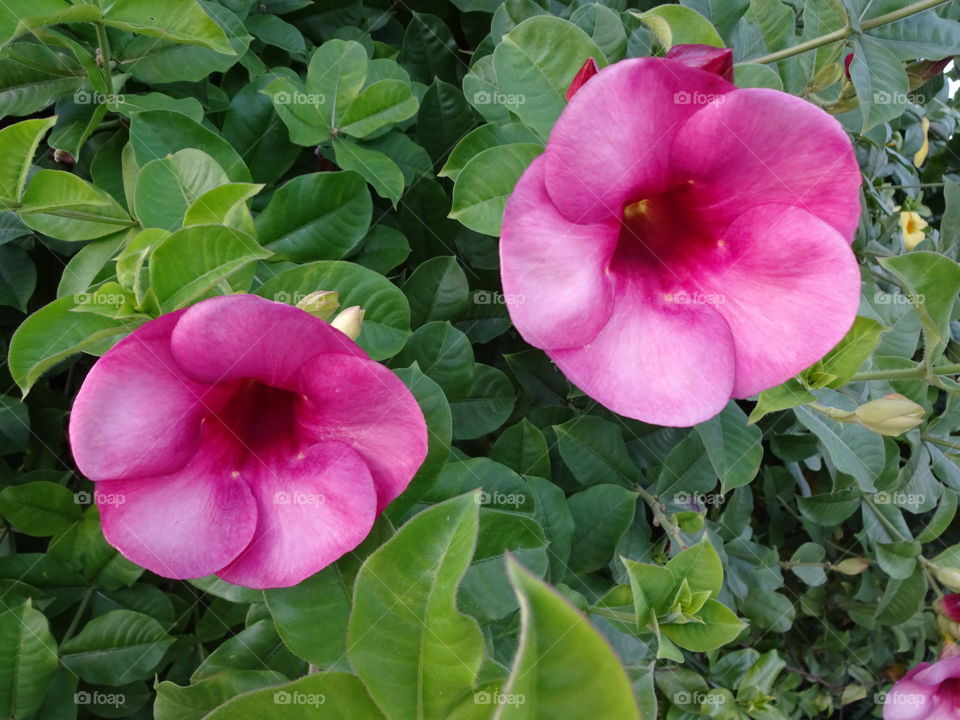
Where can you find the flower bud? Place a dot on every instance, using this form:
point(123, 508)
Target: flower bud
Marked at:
point(949, 577)
point(890, 415)
point(851, 566)
point(322, 304)
point(349, 321)
point(587, 71)
point(949, 605)
point(705, 57)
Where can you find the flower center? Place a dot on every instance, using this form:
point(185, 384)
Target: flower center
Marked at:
point(662, 232)
point(258, 418)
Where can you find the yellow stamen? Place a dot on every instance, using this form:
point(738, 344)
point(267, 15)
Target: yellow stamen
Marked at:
point(635, 210)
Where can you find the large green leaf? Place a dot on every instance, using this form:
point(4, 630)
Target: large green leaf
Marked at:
point(168, 186)
point(116, 648)
point(184, 21)
point(735, 449)
point(325, 696)
point(416, 653)
point(18, 145)
point(66, 207)
point(564, 669)
point(29, 660)
point(322, 216)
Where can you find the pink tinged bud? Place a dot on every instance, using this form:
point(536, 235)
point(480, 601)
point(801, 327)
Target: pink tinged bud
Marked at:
point(890, 415)
point(950, 605)
point(349, 322)
point(322, 304)
point(706, 57)
point(846, 64)
point(950, 649)
point(587, 71)
point(949, 577)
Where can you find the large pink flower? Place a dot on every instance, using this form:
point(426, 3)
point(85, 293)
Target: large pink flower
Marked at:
point(245, 438)
point(681, 241)
point(927, 692)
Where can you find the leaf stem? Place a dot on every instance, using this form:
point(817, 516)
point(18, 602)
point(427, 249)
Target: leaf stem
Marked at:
point(940, 441)
point(843, 33)
point(84, 602)
point(660, 517)
point(103, 40)
point(918, 372)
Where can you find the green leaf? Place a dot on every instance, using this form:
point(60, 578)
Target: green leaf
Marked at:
point(676, 25)
point(781, 397)
point(167, 187)
point(324, 696)
point(851, 448)
point(224, 205)
point(118, 647)
point(933, 281)
point(535, 63)
point(66, 207)
point(18, 145)
point(484, 405)
point(898, 559)
point(443, 353)
point(700, 566)
point(483, 138)
point(186, 265)
point(386, 322)
point(594, 450)
point(523, 448)
point(383, 249)
point(902, 599)
point(52, 334)
point(735, 448)
point(385, 102)
point(322, 216)
point(754, 75)
point(18, 277)
point(604, 27)
point(29, 662)
point(193, 702)
point(41, 508)
point(183, 21)
point(483, 186)
point(437, 290)
point(14, 426)
point(21, 16)
point(256, 647)
point(880, 80)
point(807, 564)
point(720, 626)
point(564, 668)
point(850, 353)
point(158, 133)
point(601, 515)
point(375, 167)
point(414, 650)
point(430, 50)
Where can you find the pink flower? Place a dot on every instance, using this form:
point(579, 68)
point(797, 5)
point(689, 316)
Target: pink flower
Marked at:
point(927, 692)
point(681, 242)
point(245, 438)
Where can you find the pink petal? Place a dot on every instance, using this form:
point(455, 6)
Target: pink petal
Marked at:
point(611, 145)
point(137, 413)
point(789, 287)
point(362, 404)
point(757, 146)
point(658, 361)
point(313, 507)
point(706, 57)
point(937, 672)
point(553, 271)
point(187, 524)
point(908, 700)
point(244, 336)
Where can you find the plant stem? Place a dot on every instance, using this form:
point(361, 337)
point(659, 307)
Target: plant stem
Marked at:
point(940, 441)
point(84, 602)
point(844, 32)
point(660, 518)
point(906, 373)
point(613, 615)
point(103, 40)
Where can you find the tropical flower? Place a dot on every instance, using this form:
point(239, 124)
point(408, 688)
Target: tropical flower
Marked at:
point(681, 241)
point(912, 226)
point(243, 437)
point(927, 692)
